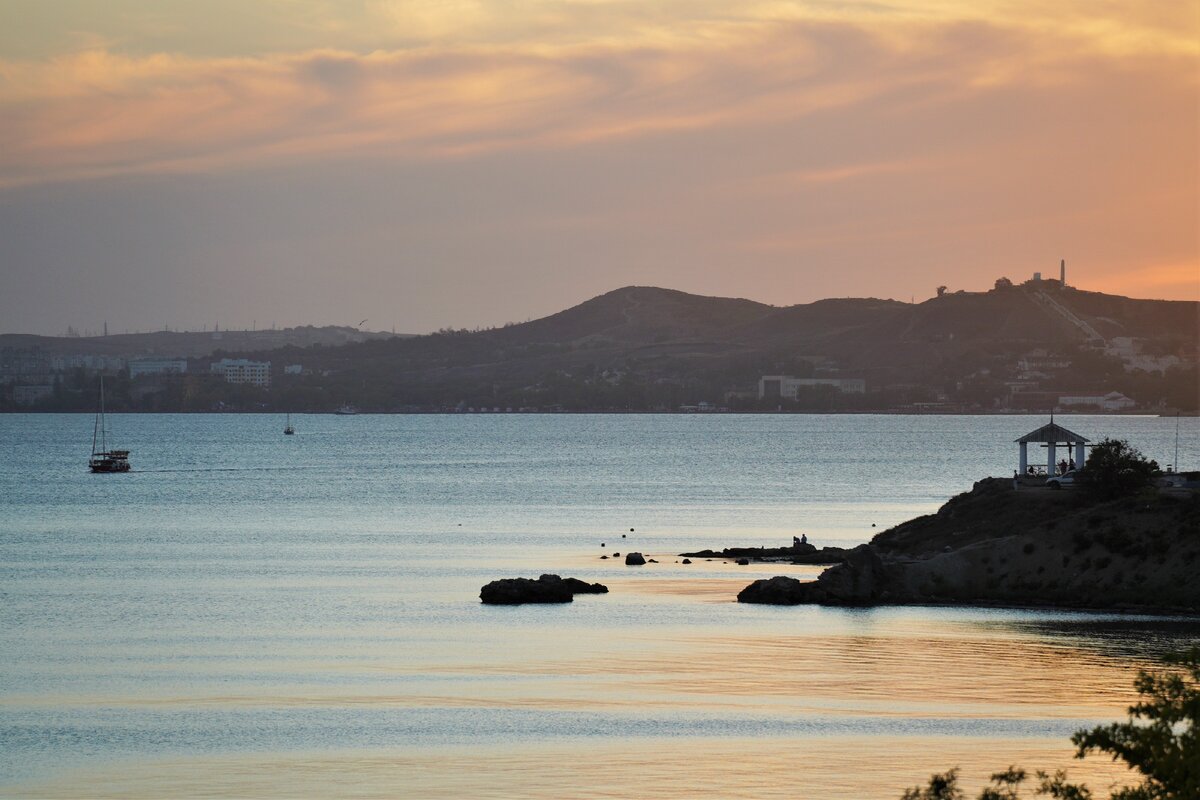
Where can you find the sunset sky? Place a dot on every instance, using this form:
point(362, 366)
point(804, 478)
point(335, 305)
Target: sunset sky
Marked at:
point(472, 162)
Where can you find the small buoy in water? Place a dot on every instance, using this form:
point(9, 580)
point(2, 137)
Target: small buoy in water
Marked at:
point(872, 524)
point(631, 530)
point(602, 544)
point(622, 536)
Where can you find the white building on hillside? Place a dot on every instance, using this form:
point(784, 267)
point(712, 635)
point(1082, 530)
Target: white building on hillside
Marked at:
point(785, 386)
point(242, 370)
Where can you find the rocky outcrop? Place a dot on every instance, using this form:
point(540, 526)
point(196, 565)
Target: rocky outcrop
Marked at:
point(797, 554)
point(778, 591)
point(861, 579)
point(546, 589)
point(997, 546)
point(634, 559)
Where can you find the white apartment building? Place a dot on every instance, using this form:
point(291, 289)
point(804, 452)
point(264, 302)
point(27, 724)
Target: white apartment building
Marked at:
point(242, 370)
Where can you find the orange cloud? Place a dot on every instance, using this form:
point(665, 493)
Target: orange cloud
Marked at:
point(98, 112)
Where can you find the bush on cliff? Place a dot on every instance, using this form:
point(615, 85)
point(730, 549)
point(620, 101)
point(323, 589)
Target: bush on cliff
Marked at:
point(1116, 468)
point(1160, 742)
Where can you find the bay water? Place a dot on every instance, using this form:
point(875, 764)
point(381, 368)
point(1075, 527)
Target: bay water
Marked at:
point(253, 614)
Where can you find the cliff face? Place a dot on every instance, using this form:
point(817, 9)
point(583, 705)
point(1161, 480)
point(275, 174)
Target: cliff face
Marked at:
point(997, 546)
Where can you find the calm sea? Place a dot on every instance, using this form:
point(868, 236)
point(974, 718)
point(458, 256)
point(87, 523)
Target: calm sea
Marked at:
point(249, 614)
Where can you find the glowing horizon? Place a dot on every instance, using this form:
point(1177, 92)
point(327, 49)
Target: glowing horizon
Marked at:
point(469, 163)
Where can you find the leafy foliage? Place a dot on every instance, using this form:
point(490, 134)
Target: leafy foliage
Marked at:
point(1160, 741)
point(1115, 468)
point(941, 787)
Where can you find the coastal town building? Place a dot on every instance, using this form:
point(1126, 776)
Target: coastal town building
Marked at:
point(242, 370)
point(786, 387)
point(1133, 357)
point(1113, 401)
point(157, 366)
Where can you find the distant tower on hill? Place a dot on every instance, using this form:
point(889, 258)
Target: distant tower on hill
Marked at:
point(1062, 273)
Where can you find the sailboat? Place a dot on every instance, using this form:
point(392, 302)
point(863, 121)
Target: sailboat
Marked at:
point(103, 459)
point(288, 430)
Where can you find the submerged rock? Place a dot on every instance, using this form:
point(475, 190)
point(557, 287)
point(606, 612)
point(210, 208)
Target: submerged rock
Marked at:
point(546, 589)
point(634, 559)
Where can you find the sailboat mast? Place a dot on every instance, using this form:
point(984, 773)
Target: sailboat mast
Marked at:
point(96, 424)
point(103, 440)
point(1177, 469)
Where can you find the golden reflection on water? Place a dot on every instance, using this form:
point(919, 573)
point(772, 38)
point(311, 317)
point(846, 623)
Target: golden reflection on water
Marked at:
point(832, 768)
point(764, 664)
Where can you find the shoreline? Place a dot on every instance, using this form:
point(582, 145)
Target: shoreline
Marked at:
point(611, 412)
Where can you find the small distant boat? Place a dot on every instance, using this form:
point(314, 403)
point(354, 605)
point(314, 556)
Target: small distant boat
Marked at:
point(288, 430)
point(347, 410)
point(103, 459)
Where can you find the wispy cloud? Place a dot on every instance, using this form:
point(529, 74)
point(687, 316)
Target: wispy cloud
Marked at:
point(99, 112)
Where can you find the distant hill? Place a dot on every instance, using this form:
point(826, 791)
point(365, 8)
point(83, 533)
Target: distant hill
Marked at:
point(645, 348)
point(188, 344)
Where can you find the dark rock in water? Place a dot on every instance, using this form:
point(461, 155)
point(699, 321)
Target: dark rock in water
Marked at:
point(616, 555)
point(778, 591)
point(634, 559)
point(546, 589)
point(651, 561)
point(604, 557)
point(687, 561)
point(577, 586)
point(515, 591)
point(743, 561)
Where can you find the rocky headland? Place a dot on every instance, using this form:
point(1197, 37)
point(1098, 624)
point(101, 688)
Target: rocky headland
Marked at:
point(995, 545)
